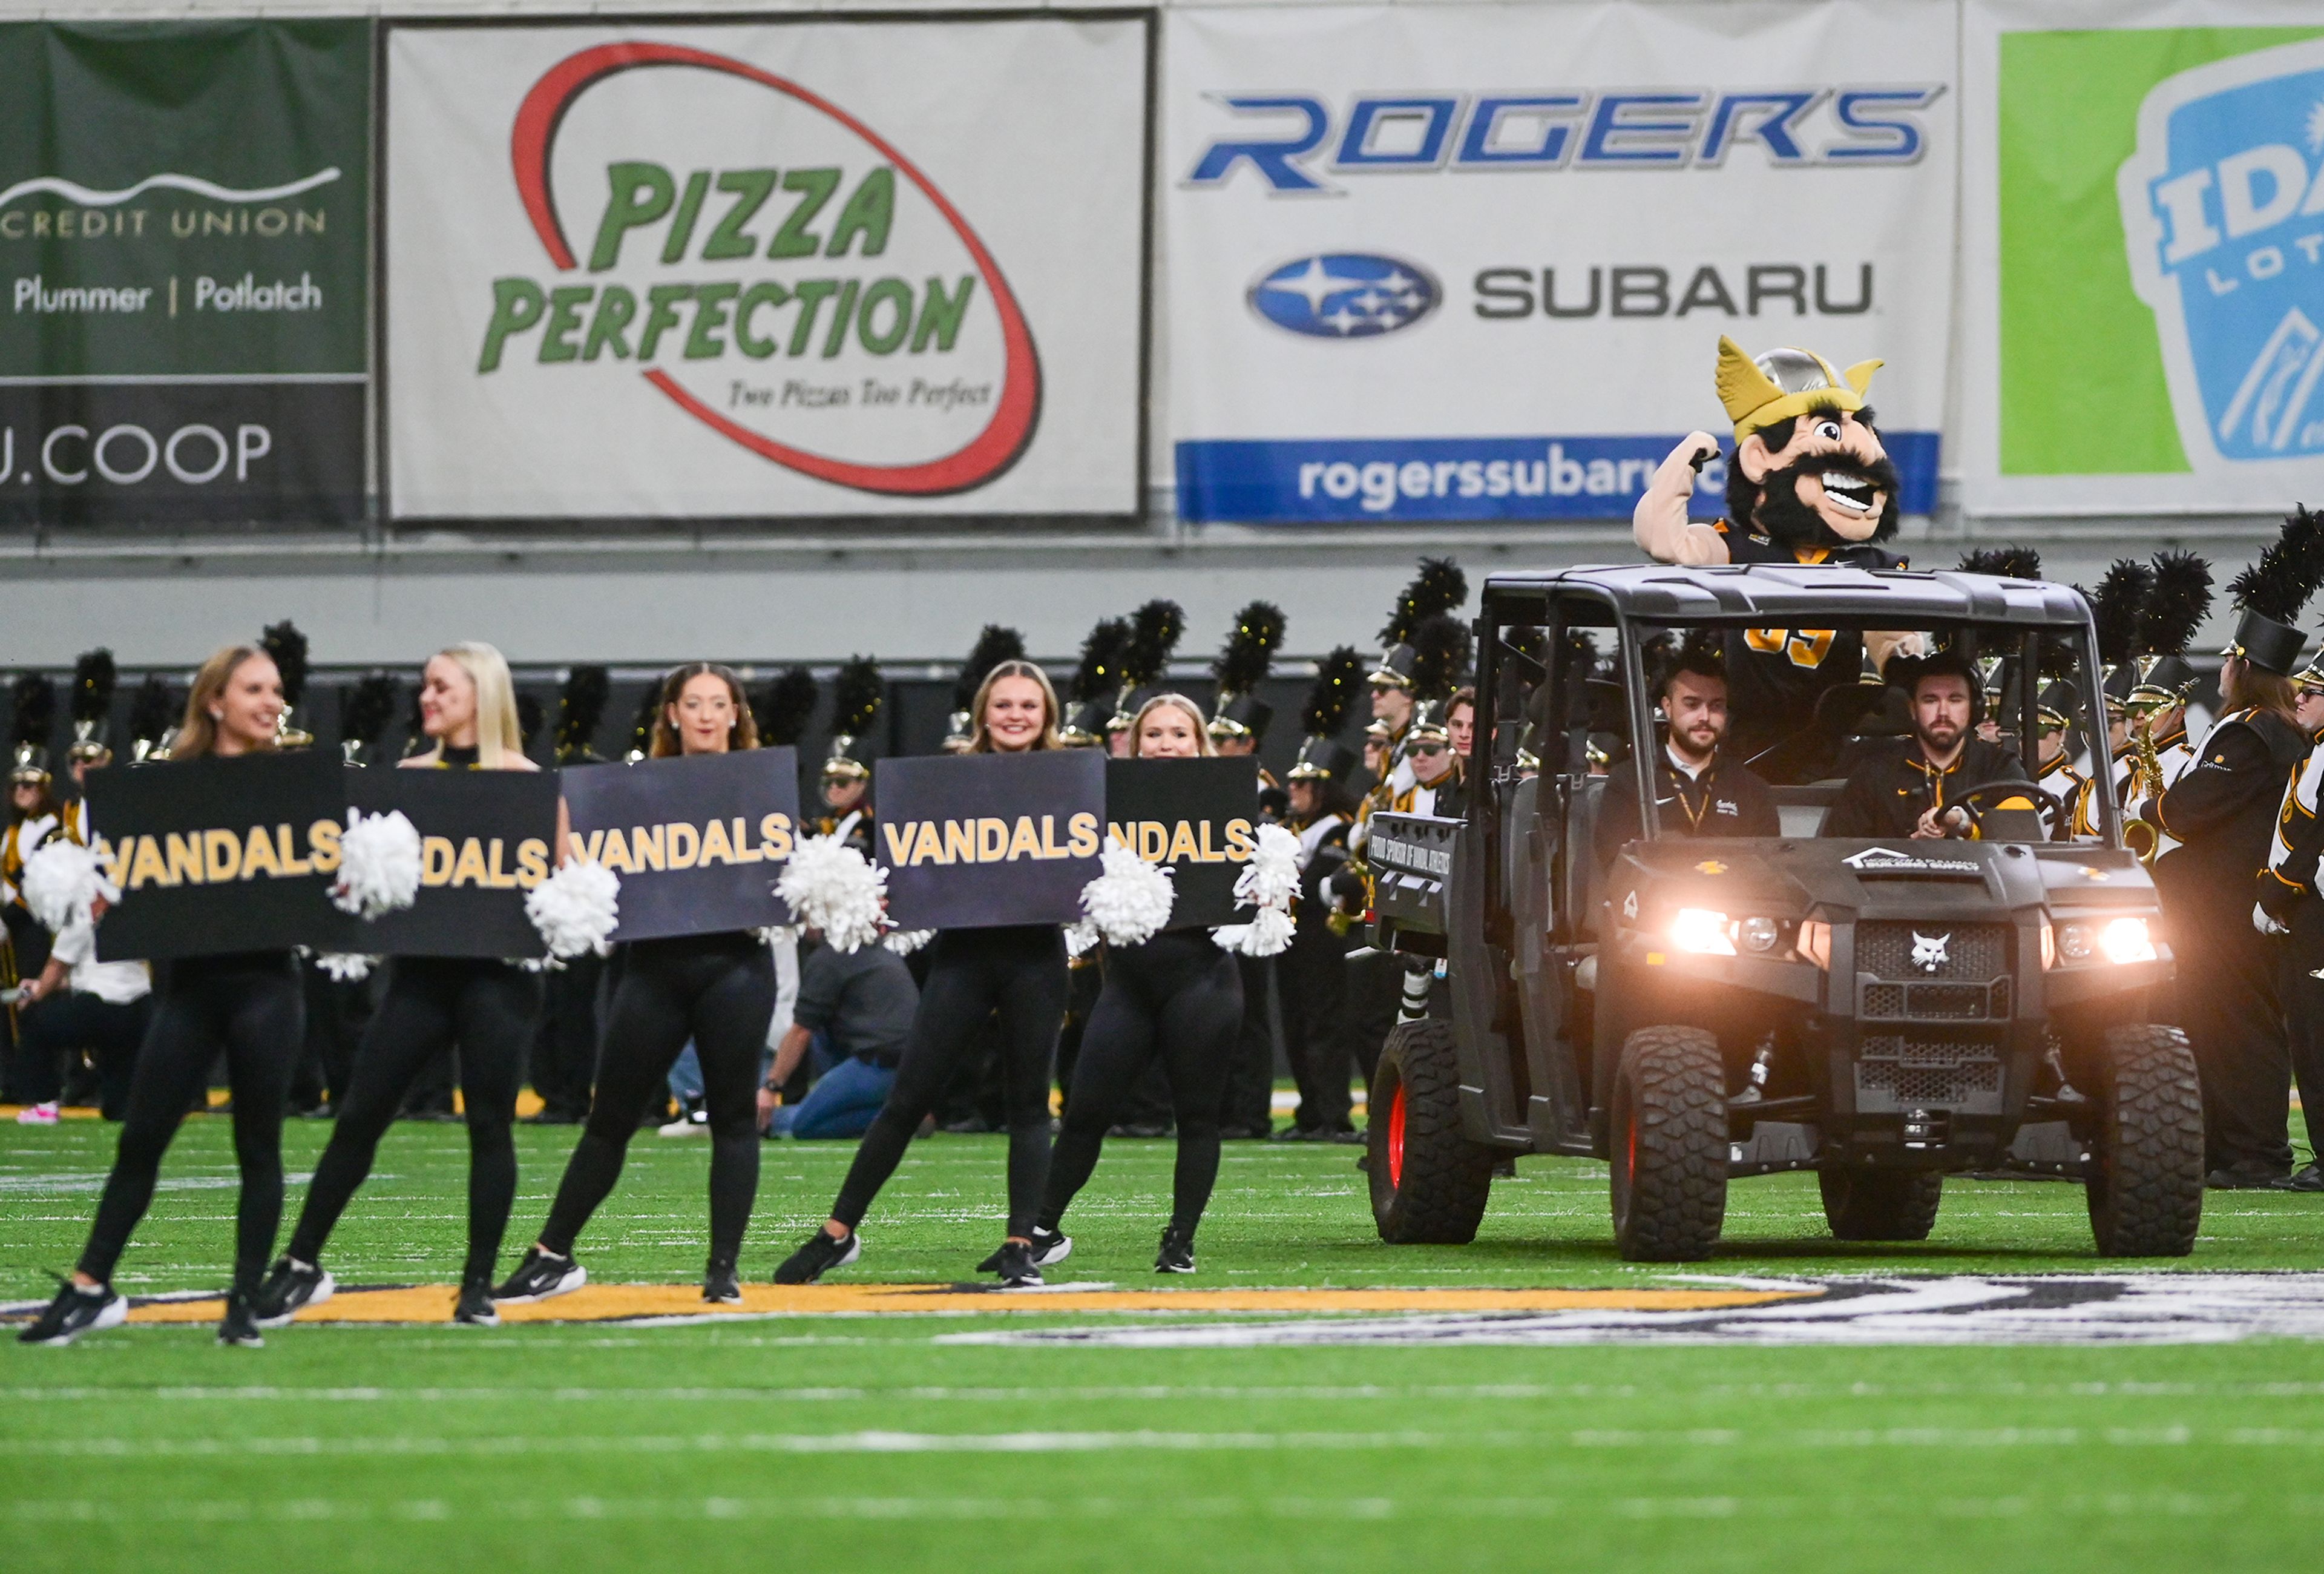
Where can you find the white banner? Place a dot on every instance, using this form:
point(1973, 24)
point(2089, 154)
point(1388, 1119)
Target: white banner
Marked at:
point(1472, 262)
point(2144, 201)
point(777, 270)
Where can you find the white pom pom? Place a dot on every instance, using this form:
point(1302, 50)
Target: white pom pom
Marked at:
point(347, 967)
point(1271, 878)
point(830, 886)
point(1131, 901)
point(379, 864)
point(1267, 935)
point(1080, 939)
point(576, 908)
point(61, 880)
point(905, 942)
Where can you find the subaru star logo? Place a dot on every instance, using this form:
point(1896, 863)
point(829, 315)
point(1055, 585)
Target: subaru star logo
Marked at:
point(1345, 295)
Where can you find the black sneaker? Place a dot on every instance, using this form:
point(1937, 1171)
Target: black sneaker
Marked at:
point(720, 1287)
point(1178, 1252)
point(475, 1309)
point(541, 1276)
point(1049, 1249)
point(239, 1326)
point(290, 1285)
point(75, 1312)
point(1014, 1263)
point(2311, 1178)
point(2245, 1175)
point(818, 1254)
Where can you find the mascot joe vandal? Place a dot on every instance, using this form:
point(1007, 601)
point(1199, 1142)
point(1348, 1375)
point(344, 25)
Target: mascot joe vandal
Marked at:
point(1808, 483)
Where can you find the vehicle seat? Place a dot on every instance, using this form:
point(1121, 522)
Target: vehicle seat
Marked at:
point(1582, 877)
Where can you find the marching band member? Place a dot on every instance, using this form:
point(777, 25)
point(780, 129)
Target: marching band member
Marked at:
point(717, 988)
point(1095, 687)
point(246, 1006)
point(858, 691)
point(1021, 972)
point(483, 1004)
point(2289, 903)
point(1314, 973)
point(94, 681)
point(1238, 726)
point(32, 818)
point(2160, 679)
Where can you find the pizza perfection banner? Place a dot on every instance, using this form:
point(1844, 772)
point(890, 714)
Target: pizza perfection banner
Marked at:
point(2144, 200)
point(184, 242)
point(486, 838)
point(982, 841)
point(1471, 262)
point(215, 856)
point(777, 269)
point(1197, 819)
point(698, 840)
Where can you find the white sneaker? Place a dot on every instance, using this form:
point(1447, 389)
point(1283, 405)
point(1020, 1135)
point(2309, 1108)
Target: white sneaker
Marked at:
point(38, 1114)
point(697, 1124)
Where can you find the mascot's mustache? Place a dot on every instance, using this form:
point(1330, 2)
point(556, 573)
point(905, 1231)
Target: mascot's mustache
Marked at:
point(1846, 480)
point(1879, 474)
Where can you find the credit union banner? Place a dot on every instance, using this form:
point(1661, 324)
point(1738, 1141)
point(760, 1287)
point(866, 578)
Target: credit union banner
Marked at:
point(1472, 262)
point(796, 269)
point(184, 230)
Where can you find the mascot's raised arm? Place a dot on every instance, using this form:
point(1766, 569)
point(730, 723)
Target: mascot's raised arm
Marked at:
point(1808, 482)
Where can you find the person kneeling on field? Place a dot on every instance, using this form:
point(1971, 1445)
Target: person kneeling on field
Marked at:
point(863, 1001)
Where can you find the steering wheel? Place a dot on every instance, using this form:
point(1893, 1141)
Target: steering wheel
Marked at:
point(2020, 788)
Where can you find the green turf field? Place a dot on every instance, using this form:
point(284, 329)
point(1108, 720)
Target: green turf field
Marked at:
point(870, 1442)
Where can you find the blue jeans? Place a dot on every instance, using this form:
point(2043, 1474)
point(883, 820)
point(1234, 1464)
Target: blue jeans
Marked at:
point(841, 1104)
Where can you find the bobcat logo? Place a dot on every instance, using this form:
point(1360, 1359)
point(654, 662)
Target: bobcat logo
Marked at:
point(1930, 954)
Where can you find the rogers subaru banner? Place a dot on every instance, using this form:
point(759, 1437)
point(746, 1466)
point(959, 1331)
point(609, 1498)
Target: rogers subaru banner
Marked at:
point(1472, 262)
point(184, 235)
point(2146, 305)
point(782, 269)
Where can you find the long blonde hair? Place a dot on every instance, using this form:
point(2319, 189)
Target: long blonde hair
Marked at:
point(196, 734)
point(980, 740)
point(1206, 749)
point(499, 733)
point(743, 734)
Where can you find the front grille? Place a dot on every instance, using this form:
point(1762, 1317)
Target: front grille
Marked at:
point(1974, 953)
point(1938, 1002)
point(1899, 1071)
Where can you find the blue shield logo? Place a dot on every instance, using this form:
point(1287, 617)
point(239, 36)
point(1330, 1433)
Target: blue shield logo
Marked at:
point(1345, 295)
point(2223, 216)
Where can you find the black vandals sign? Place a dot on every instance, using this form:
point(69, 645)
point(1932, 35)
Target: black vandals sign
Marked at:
point(486, 838)
point(220, 855)
point(981, 842)
point(1197, 819)
point(698, 840)
point(184, 230)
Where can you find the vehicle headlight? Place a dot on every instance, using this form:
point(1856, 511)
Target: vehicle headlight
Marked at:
point(1758, 934)
point(2074, 943)
point(1702, 930)
point(2127, 939)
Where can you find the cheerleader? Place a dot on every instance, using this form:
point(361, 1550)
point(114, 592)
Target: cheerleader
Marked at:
point(247, 1007)
point(718, 989)
point(468, 706)
point(1019, 971)
point(1178, 996)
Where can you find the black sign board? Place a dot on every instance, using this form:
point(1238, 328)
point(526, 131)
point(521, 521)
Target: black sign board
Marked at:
point(220, 855)
point(698, 839)
point(1198, 819)
point(486, 838)
point(979, 842)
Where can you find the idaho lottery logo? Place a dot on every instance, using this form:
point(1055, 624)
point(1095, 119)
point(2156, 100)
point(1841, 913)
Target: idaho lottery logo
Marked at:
point(828, 309)
point(2223, 216)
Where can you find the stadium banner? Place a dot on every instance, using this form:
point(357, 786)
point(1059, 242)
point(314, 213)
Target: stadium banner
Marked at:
point(1456, 262)
point(487, 838)
point(791, 268)
point(1197, 819)
point(220, 855)
point(185, 225)
point(2143, 199)
point(981, 842)
point(698, 839)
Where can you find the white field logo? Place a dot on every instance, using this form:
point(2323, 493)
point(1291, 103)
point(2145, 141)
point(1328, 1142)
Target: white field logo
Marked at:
point(2223, 219)
point(727, 241)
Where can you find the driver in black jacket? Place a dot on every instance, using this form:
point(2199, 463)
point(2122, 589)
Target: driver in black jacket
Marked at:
point(1914, 787)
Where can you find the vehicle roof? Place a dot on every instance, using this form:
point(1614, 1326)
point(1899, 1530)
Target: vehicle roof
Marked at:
point(1783, 593)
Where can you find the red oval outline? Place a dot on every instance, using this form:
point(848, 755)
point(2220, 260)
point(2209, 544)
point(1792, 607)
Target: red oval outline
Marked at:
point(984, 457)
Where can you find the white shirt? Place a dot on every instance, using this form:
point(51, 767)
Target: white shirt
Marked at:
point(115, 983)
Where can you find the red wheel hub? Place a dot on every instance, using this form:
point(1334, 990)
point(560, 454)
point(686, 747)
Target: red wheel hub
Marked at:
point(1396, 1137)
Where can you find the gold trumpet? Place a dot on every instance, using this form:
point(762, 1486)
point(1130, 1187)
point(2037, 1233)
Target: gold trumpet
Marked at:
point(2140, 835)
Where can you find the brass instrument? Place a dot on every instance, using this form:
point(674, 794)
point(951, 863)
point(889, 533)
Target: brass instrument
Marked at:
point(2141, 837)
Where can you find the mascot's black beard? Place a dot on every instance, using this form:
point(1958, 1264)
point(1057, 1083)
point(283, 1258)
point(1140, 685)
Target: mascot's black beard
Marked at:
point(1776, 507)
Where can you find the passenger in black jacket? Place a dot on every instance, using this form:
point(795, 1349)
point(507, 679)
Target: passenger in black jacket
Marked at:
point(1699, 790)
point(1912, 789)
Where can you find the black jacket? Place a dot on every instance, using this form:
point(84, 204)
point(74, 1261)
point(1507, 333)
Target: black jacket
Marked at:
point(1727, 800)
point(2222, 809)
point(1888, 792)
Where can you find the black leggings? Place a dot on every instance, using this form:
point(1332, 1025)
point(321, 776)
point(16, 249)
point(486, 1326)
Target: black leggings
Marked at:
point(251, 1007)
point(719, 989)
point(1177, 996)
point(1020, 972)
point(486, 1007)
